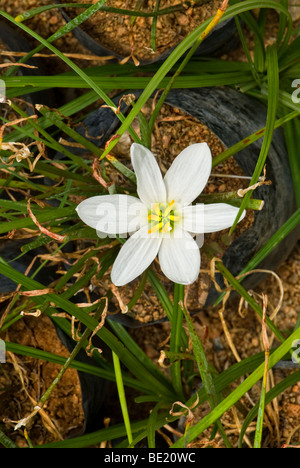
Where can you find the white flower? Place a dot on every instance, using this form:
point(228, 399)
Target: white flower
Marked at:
point(162, 218)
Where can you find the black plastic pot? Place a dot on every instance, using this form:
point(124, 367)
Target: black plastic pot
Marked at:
point(232, 116)
point(9, 251)
point(221, 40)
point(16, 42)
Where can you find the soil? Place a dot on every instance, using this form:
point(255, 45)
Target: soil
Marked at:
point(45, 24)
point(133, 36)
point(23, 380)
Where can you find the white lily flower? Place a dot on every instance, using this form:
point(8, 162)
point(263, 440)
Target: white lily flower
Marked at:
point(162, 219)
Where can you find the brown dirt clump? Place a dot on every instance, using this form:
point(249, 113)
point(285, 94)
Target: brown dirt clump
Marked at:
point(23, 380)
point(133, 36)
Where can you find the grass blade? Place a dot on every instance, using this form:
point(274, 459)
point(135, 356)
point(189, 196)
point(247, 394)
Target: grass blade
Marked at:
point(270, 395)
point(261, 408)
point(6, 441)
point(122, 398)
point(273, 93)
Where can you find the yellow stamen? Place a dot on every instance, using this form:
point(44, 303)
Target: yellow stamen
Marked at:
point(174, 217)
point(155, 209)
point(153, 217)
point(168, 209)
point(155, 228)
point(166, 228)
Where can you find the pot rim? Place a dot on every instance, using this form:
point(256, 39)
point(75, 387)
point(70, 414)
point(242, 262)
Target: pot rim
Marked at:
point(215, 41)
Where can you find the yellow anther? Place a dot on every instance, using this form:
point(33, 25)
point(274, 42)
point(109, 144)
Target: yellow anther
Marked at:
point(169, 208)
point(153, 217)
point(166, 228)
point(155, 228)
point(156, 209)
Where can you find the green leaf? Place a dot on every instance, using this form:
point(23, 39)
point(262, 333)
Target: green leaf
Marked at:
point(292, 133)
point(273, 93)
point(6, 441)
point(270, 395)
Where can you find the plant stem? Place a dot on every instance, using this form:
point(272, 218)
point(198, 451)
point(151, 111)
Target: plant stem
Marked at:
point(175, 340)
point(121, 392)
point(260, 418)
point(153, 27)
point(231, 197)
point(139, 291)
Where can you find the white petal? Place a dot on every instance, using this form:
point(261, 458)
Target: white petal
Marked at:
point(150, 184)
point(188, 174)
point(135, 256)
point(179, 257)
point(113, 214)
point(209, 218)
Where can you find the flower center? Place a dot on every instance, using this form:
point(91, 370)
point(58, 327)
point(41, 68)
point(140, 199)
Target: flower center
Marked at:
point(162, 217)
